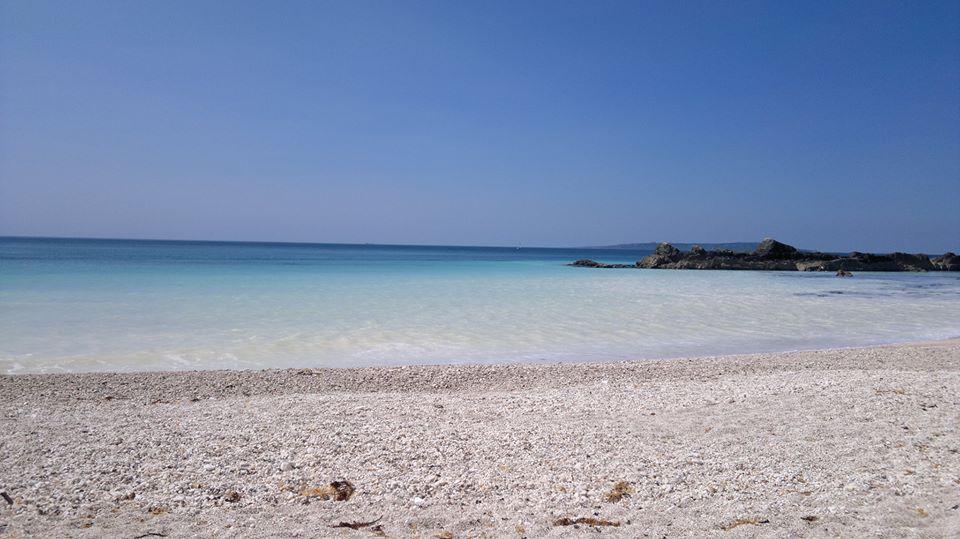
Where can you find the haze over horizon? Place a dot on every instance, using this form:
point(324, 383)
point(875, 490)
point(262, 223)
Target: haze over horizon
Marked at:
point(831, 126)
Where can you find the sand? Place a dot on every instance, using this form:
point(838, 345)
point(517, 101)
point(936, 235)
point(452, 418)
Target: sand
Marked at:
point(853, 443)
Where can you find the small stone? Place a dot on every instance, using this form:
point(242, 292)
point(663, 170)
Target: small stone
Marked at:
point(286, 466)
point(418, 501)
point(231, 496)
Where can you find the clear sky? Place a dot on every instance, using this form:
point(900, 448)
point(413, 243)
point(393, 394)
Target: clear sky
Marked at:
point(832, 125)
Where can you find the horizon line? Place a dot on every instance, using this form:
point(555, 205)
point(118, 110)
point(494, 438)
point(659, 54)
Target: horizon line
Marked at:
point(615, 246)
point(278, 242)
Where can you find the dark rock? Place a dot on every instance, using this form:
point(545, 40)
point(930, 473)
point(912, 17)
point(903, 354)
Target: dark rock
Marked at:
point(947, 262)
point(666, 250)
point(771, 248)
point(908, 262)
point(663, 255)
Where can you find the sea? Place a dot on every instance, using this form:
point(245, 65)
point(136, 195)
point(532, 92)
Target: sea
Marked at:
point(79, 305)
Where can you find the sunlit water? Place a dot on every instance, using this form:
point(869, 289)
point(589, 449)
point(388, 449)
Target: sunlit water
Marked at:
point(87, 305)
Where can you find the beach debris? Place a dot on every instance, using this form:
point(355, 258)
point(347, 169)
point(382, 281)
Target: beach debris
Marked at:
point(922, 512)
point(231, 496)
point(356, 525)
point(810, 518)
point(743, 522)
point(150, 534)
point(418, 501)
point(286, 466)
point(6, 498)
point(589, 521)
point(444, 535)
point(126, 496)
point(620, 490)
point(339, 491)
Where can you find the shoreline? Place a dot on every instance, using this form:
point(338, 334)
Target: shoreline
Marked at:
point(947, 341)
point(828, 442)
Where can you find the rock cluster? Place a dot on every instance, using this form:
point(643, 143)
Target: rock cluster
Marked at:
point(773, 255)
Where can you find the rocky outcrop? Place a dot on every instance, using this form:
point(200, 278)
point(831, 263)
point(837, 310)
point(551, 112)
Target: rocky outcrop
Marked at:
point(772, 255)
point(947, 262)
point(871, 262)
point(769, 255)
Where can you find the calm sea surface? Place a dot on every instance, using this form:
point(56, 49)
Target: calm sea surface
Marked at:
point(119, 305)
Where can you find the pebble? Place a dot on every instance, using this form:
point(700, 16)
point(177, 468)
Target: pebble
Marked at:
point(513, 443)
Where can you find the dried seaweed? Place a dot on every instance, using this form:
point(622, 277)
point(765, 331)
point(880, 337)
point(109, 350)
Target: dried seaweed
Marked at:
point(356, 525)
point(810, 518)
point(742, 522)
point(620, 490)
point(339, 491)
point(7, 498)
point(589, 521)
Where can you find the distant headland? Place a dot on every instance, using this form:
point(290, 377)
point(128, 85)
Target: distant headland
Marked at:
point(773, 255)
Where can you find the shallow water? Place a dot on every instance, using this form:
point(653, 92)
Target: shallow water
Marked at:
point(112, 305)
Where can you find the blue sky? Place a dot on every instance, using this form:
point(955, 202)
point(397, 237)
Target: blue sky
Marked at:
point(831, 125)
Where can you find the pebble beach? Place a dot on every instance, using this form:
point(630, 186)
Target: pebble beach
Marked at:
point(859, 442)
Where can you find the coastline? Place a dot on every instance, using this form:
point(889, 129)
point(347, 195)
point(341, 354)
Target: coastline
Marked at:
point(828, 442)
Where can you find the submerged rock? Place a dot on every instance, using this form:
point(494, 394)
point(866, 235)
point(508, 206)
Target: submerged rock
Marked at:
point(587, 263)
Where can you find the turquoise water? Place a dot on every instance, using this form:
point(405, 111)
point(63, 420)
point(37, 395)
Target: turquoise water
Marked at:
point(117, 305)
